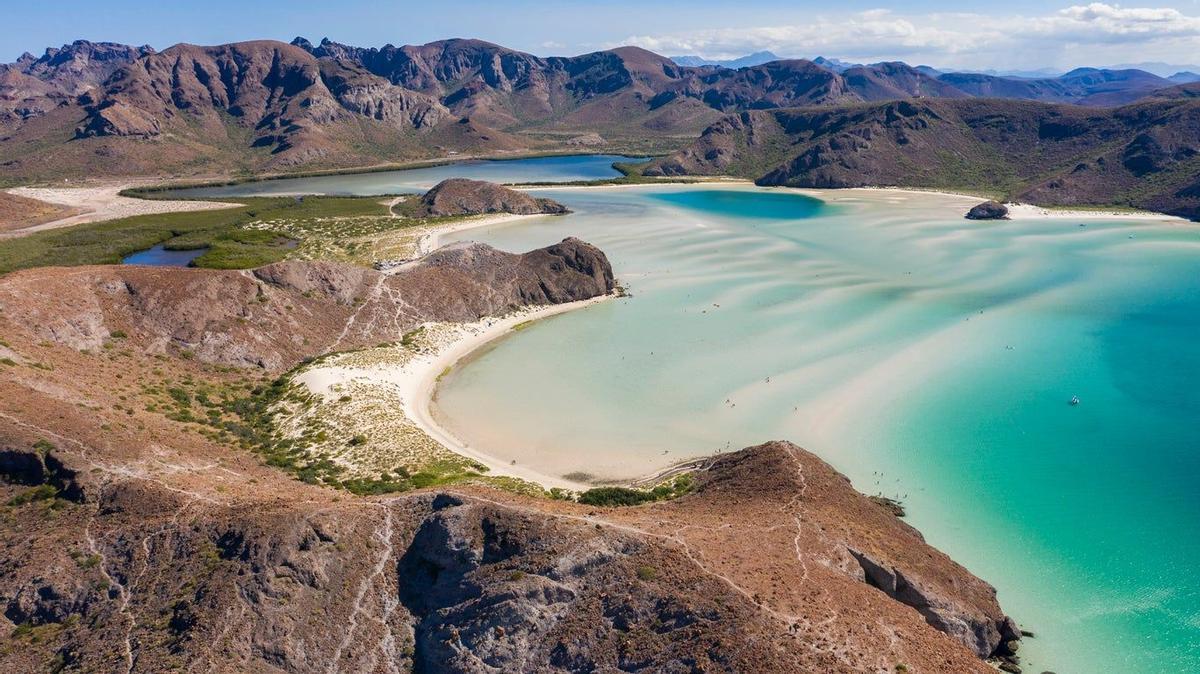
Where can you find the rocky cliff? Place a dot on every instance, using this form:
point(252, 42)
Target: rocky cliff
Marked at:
point(33, 86)
point(459, 196)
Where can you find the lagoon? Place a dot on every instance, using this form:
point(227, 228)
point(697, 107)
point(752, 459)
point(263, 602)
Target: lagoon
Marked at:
point(929, 358)
point(566, 168)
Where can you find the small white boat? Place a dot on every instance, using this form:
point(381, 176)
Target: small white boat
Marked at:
point(1074, 400)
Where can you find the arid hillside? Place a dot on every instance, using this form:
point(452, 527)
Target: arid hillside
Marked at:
point(99, 109)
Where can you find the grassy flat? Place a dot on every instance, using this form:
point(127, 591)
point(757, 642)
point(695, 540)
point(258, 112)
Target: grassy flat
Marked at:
point(261, 231)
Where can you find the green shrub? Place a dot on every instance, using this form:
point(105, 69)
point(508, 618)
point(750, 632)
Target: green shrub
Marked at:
point(615, 496)
point(42, 492)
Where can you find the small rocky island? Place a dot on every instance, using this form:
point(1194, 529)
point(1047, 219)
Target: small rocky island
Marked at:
point(988, 210)
point(461, 197)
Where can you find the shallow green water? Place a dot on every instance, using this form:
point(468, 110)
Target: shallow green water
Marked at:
point(925, 356)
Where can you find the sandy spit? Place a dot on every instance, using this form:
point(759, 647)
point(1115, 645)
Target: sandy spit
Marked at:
point(103, 202)
point(1018, 211)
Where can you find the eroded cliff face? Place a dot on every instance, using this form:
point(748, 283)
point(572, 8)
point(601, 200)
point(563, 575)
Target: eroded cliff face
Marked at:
point(138, 541)
point(251, 572)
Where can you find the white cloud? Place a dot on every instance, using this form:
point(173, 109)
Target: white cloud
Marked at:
point(1096, 33)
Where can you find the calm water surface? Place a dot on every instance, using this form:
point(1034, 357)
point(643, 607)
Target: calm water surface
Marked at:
point(541, 169)
point(927, 357)
point(159, 257)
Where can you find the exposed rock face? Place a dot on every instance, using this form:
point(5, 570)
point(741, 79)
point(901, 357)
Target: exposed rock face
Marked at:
point(988, 210)
point(33, 86)
point(236, 318)
point(362, 93)
point(459, 196)
point(250, 577)
point(275, 89)
point(1139, 155)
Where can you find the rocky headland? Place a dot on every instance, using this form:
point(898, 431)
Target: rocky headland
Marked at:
point(142, 536)
point(462, 197)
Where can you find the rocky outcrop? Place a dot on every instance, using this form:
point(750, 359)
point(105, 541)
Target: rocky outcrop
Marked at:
point(248, 577)
point(33, 86)
point(362, 93)
point(986, 634)
point(988, 210)
point(236, 318)
point(459, 196)
point(568, 271)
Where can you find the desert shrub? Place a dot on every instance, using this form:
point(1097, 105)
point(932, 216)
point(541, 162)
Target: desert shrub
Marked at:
point(615, 496)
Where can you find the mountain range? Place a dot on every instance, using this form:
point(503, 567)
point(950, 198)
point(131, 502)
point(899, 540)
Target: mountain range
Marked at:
point(757, 58)
point(1144, 155)
point(104, 109)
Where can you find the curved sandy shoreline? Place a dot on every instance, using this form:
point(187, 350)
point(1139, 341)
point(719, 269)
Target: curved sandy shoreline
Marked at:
point(412, 380)
point(419, 388)
point(1016, 211)
point(431, 240)
point(417, 380)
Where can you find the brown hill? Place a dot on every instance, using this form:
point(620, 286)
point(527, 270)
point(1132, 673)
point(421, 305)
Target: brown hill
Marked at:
point(459, 196)
point(1145, 155)
point(139, 538)
point(235, 318)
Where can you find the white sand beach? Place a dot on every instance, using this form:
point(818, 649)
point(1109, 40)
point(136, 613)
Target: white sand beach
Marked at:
point(414, 379)
point(430, 239)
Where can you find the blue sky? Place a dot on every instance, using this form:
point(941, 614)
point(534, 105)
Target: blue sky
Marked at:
point(961, 33)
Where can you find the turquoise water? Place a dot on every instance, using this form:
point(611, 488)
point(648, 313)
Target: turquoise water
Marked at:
point(541, 169)
point(925, 356)
point(159, 257)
